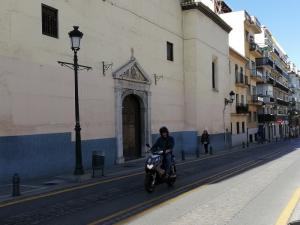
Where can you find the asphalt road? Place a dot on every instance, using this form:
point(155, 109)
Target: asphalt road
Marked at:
point(266, 194)
point(116, 200)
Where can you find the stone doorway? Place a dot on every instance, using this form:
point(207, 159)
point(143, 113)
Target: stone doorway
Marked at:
point(133, 113)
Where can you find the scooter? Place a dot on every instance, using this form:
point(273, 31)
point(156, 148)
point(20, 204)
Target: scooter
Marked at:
point(155, 171)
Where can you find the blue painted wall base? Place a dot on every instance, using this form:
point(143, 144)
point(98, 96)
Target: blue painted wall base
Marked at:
point(42, 155)
point(35, 156)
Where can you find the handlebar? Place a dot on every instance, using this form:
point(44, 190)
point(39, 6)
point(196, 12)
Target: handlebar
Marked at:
point(160, 152)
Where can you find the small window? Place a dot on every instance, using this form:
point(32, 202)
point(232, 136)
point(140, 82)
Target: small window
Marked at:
point(243, 127)
point(237, 127)
point(236, 71)
point(49, 21)
point(170, 52)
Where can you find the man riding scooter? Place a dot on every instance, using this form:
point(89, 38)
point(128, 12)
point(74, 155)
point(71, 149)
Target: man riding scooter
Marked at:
point(166, 143)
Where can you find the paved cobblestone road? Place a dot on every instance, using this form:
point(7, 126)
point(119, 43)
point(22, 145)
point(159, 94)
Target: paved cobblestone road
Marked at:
point(111, 202)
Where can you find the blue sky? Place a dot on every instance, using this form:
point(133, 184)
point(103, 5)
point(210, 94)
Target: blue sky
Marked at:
point(282, 17)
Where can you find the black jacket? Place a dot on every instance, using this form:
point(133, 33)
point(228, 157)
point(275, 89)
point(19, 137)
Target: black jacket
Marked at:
point(164, 144)
point(205, 138)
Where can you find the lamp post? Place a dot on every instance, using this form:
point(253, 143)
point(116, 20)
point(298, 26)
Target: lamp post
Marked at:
point(75, 38)
point(227, 101)
point(231, 98)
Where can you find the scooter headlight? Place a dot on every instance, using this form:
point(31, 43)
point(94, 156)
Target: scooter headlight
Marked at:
point(149, 166)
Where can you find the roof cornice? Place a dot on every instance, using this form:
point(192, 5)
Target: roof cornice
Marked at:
point(208, 12)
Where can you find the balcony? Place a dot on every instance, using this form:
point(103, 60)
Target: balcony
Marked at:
point(256, 75)
point(271, 80)
point(278, 69)
point(253, 22)
point(255, 49)
point(257, 100)
point(256, 24)
point(280, 59)
point(242, 109)
point(281, 101)
point(264, 118)
point(264, 61)
point(281, 86)
point(269, 99)
point(275, 72)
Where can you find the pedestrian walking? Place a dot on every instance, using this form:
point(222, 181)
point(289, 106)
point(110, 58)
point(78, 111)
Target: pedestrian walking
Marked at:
point(205, 140)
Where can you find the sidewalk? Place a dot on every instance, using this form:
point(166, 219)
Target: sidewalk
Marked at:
point(56, 183)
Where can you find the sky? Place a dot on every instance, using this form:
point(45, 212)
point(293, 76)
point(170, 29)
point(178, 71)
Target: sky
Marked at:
point(282, 17)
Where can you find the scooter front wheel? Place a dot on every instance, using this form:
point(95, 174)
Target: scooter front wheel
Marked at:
point(149, 183)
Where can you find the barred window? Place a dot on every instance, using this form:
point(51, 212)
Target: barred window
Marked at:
point(170, 54)
point(49, 21)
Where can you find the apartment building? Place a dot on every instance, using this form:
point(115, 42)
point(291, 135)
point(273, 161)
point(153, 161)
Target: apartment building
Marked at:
point(240, 110)
point(273, 117)
point(294, 108)
point(242, 40)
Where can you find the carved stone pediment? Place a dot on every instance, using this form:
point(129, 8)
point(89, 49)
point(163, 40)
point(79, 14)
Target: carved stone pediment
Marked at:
point(132, 71)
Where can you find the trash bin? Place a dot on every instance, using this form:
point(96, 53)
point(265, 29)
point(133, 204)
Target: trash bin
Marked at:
point(98, 161)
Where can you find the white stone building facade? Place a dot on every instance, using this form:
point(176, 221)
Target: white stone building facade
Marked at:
point(121, 110)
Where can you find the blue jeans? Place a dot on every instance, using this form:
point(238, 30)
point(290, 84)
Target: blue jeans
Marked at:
point(168, 162)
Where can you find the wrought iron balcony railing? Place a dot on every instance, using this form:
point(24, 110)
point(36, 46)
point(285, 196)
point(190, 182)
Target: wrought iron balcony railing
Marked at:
point(242, 108)
point(264, 61)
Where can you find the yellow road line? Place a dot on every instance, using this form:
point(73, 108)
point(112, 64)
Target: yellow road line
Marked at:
point(13, 202)
point(288, 210)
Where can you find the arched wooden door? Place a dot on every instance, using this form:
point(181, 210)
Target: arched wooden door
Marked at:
point(131, 115)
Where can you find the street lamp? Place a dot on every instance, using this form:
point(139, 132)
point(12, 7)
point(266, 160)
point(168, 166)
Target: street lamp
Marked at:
point(231, 98)
point(227, 101)
point(75, 38)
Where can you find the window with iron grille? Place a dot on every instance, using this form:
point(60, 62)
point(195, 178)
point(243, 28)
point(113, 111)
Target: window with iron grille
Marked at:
point(49, 21)
point(170, 53)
